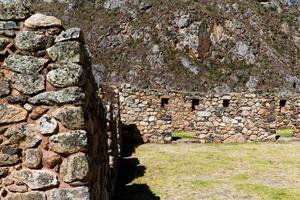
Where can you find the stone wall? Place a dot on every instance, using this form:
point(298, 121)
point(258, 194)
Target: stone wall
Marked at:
point(232, 117)
point(53, 139)
point(288, 112)
point(109, 96)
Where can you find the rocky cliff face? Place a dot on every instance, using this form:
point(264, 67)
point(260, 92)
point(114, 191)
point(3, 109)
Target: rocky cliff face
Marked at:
point(189, 44)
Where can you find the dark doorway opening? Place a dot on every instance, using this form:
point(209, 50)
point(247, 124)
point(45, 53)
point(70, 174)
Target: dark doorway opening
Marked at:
point(195, 102)
point(226, 103)
point(163, 102)
point(294, 85)
point(282, 103)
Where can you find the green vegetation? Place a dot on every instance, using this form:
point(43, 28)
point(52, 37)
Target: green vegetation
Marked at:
point(285, 132)
point(184, 134)
point(240, 171)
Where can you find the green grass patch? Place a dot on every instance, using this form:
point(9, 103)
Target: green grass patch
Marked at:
point(211, 171)
point(266, 192)
point(202, 184)
point(241, 177)
point(184, 134)
point(285, 132)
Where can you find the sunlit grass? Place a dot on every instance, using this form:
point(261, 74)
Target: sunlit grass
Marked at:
point(239, 171)
point(184, 134)
point(285, 132)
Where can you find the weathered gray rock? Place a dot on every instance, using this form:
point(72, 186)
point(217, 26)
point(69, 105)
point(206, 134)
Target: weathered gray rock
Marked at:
point(12, 113)
point(13, 10)
point(204, 114)
point(3, 43)
point(68, 142)
point(75, 168)
point(4, 88)
point(69, 74)
point(69, 34)
point(3, 172)
point(17, 99)
point(28, 83)
point(34, 195)
point(7, 160)
point(9, 150)
point(23, 135)
point(42, 21)
point(70, 116)
point(8, 28)
point(64, 96)
point(65, 52)
point(8, 25)
point(48, 125)
point(30, 41)
point(114, 4)
point(32, 158)
point(79, 193)
point(183, 21)
point(24, 64)
point(36, 179)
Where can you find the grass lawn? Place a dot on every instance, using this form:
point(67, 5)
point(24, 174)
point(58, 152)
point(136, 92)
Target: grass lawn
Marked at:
point(184, 134)
point(285, 132)
point(196, 172)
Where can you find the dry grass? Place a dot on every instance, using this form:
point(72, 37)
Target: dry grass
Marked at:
point(243, 171)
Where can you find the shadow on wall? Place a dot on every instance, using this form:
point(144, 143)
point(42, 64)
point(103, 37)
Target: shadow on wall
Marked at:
point(131, 139)
point(131, 169)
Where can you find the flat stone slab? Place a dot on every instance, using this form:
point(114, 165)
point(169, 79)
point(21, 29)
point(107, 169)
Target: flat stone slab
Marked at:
point(28, 196)
point(36, 179)
point(42, 21)
point(7, 160)
point(64, 52)
point(79, 193)
point(24, 135)
point(75, 168)
point(63, 96)
point(288, 139)
point(30, 41)
point(69, 34)
point(32, 158)
point(71, 117)
point(68, 142)
point(10, 10)
point(24, 64)
point(8, 25)
point(28, 83)
point(12, 113)
point(69, 74)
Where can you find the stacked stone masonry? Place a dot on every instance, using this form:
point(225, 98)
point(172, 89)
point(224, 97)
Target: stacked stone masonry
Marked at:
point(228, 118)
point(53, 128)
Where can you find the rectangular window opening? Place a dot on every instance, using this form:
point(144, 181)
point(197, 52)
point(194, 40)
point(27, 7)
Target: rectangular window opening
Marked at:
point(282, 103)
point(195, 102)
point(163, 102)
point(226, 103)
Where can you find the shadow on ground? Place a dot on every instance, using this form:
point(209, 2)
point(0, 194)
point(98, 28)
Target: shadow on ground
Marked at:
point(130, 169)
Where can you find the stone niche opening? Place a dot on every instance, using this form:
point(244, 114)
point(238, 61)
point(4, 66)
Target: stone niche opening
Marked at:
point(282, 103)
point(295, 85)
point(164, 101)
point(226, 103)
point(195, 102)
